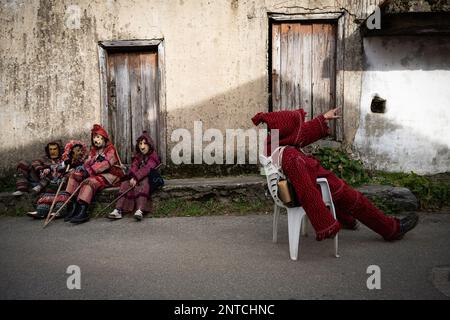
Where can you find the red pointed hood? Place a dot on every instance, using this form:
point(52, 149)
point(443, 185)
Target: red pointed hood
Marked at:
point(288, 122)
point(98, 129)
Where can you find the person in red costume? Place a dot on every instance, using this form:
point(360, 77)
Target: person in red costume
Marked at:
point(99, 171)
point(302, 170)
point(138, 198)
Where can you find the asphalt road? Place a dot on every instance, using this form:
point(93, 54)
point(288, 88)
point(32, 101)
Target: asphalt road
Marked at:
point(217, 257)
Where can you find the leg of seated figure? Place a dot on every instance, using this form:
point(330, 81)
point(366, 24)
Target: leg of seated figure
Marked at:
point(309, 195)
point(355, 203)
point(89, 188)
point(347, 220)
point(23, 172)
point(336, 184)
point(72, 184)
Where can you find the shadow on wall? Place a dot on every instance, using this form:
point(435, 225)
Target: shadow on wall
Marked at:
point(232, 109)
point(401, 53)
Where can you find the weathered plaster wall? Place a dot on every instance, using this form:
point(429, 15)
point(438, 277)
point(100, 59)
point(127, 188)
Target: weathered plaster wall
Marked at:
point(413, 74)
point(215, 54)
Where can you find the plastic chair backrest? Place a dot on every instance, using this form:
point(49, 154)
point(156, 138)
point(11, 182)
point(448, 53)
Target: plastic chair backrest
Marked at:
point(273, 173)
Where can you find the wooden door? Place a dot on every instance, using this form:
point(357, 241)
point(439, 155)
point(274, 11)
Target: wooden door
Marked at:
point(304, 67)
point(133, 99)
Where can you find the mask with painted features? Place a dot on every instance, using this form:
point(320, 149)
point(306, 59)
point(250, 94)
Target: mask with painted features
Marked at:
point(77, 153)
point(53, 151)
point(98, 141)
point(144, 147)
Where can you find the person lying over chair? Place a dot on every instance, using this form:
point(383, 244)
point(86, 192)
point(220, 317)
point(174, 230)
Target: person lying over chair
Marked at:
point(302, 170)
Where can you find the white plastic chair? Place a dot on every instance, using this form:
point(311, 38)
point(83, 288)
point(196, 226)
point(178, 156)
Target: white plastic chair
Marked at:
point(296, 215)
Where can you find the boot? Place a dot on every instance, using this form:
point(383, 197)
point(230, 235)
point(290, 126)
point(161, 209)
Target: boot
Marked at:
point(72, 208)
point(82, 214)
point(407, 224)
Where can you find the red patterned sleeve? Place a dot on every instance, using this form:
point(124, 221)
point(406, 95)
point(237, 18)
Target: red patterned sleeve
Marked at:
point(39, 165)
point(314, 130)
point(101, 166)
point(141, 173)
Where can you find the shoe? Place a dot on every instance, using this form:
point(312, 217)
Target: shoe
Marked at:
point(407, 224)
point(32, 214)
point(37, 189)
point(138, 215)
point(72, 209)
point(36, 215)
point(17, 193)
point(82, 214)
point(115, 215)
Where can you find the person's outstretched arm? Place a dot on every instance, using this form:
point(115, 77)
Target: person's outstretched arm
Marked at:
point(317, 128)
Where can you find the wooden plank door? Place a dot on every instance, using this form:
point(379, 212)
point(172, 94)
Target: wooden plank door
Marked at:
point(133, 96)
point(304, 67)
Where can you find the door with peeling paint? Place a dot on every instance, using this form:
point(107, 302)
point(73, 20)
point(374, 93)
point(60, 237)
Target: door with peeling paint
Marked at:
point(304, 68)
point(133, 96)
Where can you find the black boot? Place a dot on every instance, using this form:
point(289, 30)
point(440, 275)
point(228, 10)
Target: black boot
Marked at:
point(82, 214)
point(72, 208)
point(407, 224)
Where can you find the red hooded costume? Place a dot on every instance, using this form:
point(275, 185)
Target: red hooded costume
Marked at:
point(102, 167)
point(303, 170)
point(139, 196)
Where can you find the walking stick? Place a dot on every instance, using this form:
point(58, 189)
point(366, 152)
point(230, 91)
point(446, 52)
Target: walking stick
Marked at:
point(115, 200)
point(56, 196)
point(118, 158)
point(64, 204)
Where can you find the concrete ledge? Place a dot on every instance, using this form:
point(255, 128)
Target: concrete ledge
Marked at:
point(249, 188)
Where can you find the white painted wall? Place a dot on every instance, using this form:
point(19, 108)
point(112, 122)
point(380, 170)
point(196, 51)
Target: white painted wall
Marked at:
point(413, 74)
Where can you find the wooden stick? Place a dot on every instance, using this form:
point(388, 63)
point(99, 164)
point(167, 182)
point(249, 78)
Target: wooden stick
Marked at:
point(118, 158)
point(56, 196)
point(117, 199)
point(64, 204)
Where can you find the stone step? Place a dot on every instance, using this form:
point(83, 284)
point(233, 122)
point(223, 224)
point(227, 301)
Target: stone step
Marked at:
point(249, 188)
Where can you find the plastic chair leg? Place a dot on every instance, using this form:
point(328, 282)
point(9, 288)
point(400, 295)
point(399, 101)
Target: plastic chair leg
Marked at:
point(295, 217)
point(304, 229)
point(276, 216)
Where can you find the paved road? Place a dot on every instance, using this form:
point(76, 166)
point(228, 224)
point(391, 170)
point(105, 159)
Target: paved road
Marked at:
point(221, 257)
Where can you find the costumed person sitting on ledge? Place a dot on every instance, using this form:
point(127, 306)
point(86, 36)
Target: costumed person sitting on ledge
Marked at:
point(75, 153)
point(100, 170)
point(138, 198)
point(302, 170)
point(37, 173)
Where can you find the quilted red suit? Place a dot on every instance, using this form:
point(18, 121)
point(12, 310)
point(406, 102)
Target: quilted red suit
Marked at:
point(303, 170)
point(101, 167)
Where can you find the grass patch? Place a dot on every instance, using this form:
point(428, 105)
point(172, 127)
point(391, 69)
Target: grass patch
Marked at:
point(211, 207)
point(192, 208)
point(432, 195)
